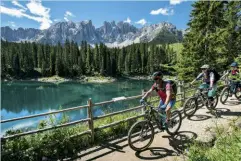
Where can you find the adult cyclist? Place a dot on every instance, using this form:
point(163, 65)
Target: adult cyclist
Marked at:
point(165, 91)
point(233, 75)
point(209, 81)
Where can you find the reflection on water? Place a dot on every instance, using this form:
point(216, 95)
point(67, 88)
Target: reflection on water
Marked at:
point(22, 98)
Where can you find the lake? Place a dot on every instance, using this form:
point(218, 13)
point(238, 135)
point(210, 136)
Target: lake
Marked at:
point(23, 98)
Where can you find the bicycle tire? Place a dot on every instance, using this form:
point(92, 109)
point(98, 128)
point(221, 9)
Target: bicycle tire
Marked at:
point(236, 91)
point(130, 143)
point(226, 89)
point(185, 106)
point(180, 123)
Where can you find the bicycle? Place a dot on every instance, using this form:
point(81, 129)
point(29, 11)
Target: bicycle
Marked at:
point(200, 97)
point(228, 91)
point(140, 129)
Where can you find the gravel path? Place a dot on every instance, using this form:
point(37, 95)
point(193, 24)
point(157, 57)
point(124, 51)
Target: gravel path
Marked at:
point(165, 147)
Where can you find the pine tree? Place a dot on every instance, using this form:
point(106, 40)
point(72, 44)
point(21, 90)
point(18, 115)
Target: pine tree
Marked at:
point(52, 61)
point(200, 43)
point(40, 55)
point(230, 33)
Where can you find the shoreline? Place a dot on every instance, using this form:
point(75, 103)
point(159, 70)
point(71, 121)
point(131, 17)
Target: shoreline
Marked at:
point(84, 79)
point(57, 79)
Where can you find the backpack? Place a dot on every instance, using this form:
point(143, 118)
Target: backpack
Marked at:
point(173, 84)
point(216, 75)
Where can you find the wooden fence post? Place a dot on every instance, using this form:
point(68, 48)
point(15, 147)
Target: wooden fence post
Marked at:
point(183, 90)
point(179, 88)
point(143, 109)
point(91, 122)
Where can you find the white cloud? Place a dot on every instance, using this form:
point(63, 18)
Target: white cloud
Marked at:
point(11, 23)
point(163, 11)
point(174, 2)
point(141, 22)
point(18, 4)
point(35, 7)
point(56, 20)
point(12, 11)
point(18, 13)
point(128, 20)
point(67, 15)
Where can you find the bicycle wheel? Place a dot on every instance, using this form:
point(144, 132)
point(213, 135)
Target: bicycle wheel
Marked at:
point(238, 92)
point(140, 135)
point(212, 104)
point(175, 123)
point(190, 106)
point(224, 95)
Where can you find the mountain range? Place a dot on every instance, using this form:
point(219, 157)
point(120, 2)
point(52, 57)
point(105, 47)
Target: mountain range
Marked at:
point(111, 34)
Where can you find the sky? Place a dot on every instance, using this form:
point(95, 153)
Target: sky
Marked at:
point(42, 14)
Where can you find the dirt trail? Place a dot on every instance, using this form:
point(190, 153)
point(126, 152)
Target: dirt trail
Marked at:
point(165, 147)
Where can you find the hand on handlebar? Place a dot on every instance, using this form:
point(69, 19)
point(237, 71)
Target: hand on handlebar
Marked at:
point(142, 101)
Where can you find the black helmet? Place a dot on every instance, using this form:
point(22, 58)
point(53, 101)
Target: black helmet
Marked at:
point(157, 75)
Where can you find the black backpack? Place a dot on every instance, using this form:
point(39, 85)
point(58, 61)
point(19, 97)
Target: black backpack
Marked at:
point(216, 75)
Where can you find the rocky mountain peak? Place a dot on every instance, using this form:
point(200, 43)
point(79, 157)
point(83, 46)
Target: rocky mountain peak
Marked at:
point(110, 33)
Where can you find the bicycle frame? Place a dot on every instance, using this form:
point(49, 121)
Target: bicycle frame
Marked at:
point(236, 85)
point(202, 93)
point(150, 115)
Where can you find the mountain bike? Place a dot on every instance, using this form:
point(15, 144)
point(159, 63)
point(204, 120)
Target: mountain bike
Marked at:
point(199, 98)
point(141, 133)
point(228, 91)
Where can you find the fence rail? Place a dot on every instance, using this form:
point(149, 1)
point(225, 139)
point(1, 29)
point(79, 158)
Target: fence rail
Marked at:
point(182, 92)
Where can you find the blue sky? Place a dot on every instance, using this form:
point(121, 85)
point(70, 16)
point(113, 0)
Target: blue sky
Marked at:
point(41, 14)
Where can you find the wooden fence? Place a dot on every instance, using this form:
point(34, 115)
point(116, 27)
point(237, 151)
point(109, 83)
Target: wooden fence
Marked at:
point(182, 94)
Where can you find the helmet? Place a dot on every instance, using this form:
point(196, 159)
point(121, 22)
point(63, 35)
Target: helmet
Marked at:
point(205, 66)
point(234, 64)
point(157, 75)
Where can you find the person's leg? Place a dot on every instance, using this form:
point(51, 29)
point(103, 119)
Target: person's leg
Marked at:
point(169, 107)
point(160, 104)
point(232, 83)
point(212, 93)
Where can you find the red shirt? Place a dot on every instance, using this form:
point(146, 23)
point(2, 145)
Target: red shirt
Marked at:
point(234, 72)
point(161, 91)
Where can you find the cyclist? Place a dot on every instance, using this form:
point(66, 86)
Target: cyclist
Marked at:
point(234, 75)
point(166, 93)
point(209, 81)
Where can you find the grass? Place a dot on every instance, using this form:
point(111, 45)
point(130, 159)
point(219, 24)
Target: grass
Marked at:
point(225, 147)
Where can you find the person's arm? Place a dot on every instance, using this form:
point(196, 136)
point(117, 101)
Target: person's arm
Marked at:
point(212, 77)
point(147, 93)
point(168, 93)
point(225, 75)
point(198, 77)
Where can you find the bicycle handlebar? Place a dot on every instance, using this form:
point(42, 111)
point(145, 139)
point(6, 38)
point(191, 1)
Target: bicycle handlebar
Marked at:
point(152, 107)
